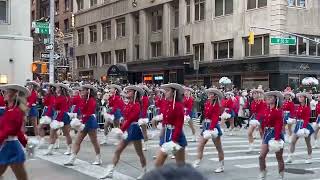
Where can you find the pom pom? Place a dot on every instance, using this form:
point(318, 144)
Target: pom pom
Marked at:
point(73, 115)
point(209, 134)
point(108, 117)
point(225, 115)
point(224, 81)
point(254, 122)
point(56, 124)
point(291, 121)
point(45, 120)
point(159, 126)
point(187, 119)
point(170, 147)
point(275, 146)
point(143, 121)
point(77, 124)
point(158, 117)
point(303, 132)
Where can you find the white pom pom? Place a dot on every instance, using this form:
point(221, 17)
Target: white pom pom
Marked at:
point(207, 134)
point(170, 147)
point(115, 135)
point(159, 126)
point(187, 119)
point(77, 124)
point(45, 120)
point(315, 125)
point(291, 121)
point(300, 133)
point(275, 146)
point(125, 135)
point(108, 117)
point(225, 115)
point(254, 122)
point(306, 132)
point(143, 121)
point(56, 124)
point(72, 115)
point(158, 118)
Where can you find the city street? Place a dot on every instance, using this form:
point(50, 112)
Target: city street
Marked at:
point(239, 164)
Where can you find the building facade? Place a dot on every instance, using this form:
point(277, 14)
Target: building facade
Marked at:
point(160, 41)
point(64, 23)
point(15, 41)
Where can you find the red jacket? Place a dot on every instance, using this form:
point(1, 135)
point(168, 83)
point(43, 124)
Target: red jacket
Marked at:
point(61, 105)
point(11, 125)
point(318, 109)
point(188, 104)
point(131, 113)
point(87, 108)
point(76, 101)
point(160, 102)
point(289, 106)
point(145, 106)
point(274, 119)
point(228, 103)
point(174, 117)
point(32, 99)
point(303, 113)
point(258, 109)
point(212, 112)
point(49, 101)
point(115, 102)
point(2, 102)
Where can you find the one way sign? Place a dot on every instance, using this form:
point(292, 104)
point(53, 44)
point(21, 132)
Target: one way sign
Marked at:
point(47, 56)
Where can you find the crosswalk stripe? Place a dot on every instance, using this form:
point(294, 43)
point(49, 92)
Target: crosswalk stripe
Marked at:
point(80, 166)
point(269, 164)
point(224, 147)
point(256, 156)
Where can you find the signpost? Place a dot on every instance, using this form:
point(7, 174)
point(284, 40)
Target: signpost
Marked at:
point(41, 27)
point(47, 56)
point(283, 41)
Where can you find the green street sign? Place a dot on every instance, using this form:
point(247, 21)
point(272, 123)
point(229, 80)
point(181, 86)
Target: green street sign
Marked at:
point(41, 27)
point(283, 41)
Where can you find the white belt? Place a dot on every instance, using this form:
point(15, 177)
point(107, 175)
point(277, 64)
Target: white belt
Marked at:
point(2, 107)
point(134, 123)
point(169, 126)
point(286, 111)
point(12, 138)
point(207, 120)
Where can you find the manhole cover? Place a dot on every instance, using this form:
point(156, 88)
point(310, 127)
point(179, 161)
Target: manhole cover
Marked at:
point(298, 171)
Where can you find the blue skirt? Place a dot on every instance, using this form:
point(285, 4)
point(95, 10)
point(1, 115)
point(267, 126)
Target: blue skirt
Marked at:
point(286, 116)
point(299, 126)
point(269, 134)
point(318, 120)
point(134, 133)
point(206, 126)
point(33, 112)
point(117, 115)
point(66, 119)
point(91, 124)
point(2, 110)
point(11, 152)
point(192, 115)
point(182, 141)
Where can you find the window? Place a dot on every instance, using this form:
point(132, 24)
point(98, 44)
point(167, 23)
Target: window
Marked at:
point(252, 4)
point(137, 24)
point(260, 47)
point(66, 50)
point(199, 6)
point(176, 47)
point(80, 4)
point(80, 36)
point(297, 3)
point(4, 11)
point(198, 52)
point(56, 25)
point(80, 61)
point(121, 56)
point(121, 27)
point(156, 21)
point(305, 47)
point(56, 7)
point(106, 58)
point(93, 33)
point(172, 77)
point(223, 7)
point(66, 25)
point(188, 11)
point(106, 31)
point(93, 2)
point(188, 47)
point(223, 49)
point(44, 11)
point(66, 5)
point(156, 49)
point(137, 52)
point(93, 60)
point(176, 15)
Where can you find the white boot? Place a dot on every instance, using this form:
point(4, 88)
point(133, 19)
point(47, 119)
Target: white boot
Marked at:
point(220, 169)
point(50, 150)
point(308, 160)
point(144, 171)
point(316, 144)
point(144, 145)
point(250, 147)
point(42, 141)
point(109, 173)
point(281, 176)
point(69, 149)
point(104, 141)
point(70, 162)
point(289, 159)
point(196, 163)
point(262, 175)
point(98, 160)
point(57, 144)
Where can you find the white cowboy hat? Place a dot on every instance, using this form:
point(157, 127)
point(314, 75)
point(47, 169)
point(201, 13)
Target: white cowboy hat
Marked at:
point(179, 88)
point(229, 93)
point(23, 91)
point(289, 93)
point(145, 88)
point(188, 89)
point(277, 94)
point(88, 86)
point(34, 83)
point(135, 88)
point(244, 93)
point(117, 87)
point(307, 95)
point(258, 90)
point(215, 91)
point(160, 90)
point(61, 85)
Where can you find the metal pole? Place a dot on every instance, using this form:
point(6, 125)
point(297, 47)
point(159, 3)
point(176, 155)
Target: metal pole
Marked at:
point(52, 31)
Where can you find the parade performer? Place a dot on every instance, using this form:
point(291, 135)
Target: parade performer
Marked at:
point(303, 129)
point(144, 119)
point(229, 111)
point(243, 102)
point(87, 125)
point(130, 131)
point(62, 119)
point(2, 103)
point(114, 116)
point(211, 127)
point(257, 109)
point(159, 102)
point(32, 104)
point(189, 114)
point(11, 136)
point(273, 138)
point(317, 125)
point(288, 113)
point(172, 138)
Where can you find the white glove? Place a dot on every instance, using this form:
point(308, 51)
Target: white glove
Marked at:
point(291, 121)
point(170, 147)
point(143, 121)
point(187, 118)
point(225, 115)
point(56, 124)
point(158, 118)
point(77, 124)
point(209, 134)
point(72, 115)
point(108, 117)
point(45, 120)
point(275, 146)
point(306, 132)
point(254, 122)
point(159, 126)
point(303, 132)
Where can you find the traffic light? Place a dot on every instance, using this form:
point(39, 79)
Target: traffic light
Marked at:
point(44, 68)
point(36, 67)
point(251, 38)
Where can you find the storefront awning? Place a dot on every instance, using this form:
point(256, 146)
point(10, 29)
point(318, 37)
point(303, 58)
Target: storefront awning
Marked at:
point(117, 70)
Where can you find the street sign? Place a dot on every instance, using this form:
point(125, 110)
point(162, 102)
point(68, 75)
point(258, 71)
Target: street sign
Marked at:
point(41, 27)
point(49, 47)
point(283, 41)
point(47, 56)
